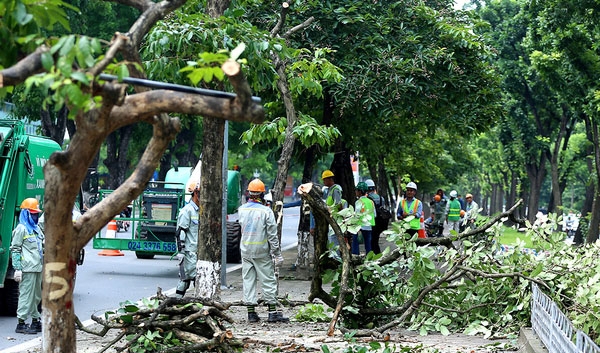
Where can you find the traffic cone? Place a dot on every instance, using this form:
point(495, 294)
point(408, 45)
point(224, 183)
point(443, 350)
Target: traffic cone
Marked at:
point(421, 231)
point(111, 233)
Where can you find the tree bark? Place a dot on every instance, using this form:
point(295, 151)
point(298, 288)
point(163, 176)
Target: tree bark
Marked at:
point(210, 213)
point(117, 145)
point(210, 227)
point(592, 235)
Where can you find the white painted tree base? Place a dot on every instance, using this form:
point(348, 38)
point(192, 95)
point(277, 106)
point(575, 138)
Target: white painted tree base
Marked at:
point(208, 283)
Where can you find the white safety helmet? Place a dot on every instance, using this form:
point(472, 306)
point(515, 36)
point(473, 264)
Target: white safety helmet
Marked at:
point(411, 185)
point(370, 183)
point(453, 193)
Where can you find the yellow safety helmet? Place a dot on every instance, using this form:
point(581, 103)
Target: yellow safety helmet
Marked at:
point(327, 174)
point(31, 204)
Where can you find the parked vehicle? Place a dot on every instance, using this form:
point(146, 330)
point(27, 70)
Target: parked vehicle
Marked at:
point(22, 159)
point(154, 216)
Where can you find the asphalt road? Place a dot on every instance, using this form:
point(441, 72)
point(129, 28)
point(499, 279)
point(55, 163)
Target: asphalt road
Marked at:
point(105, 281)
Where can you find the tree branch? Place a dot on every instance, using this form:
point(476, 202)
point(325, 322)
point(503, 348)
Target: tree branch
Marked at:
point(299, 27)
point(142, 106)
point(279, 25)
point(503, 275)
point(29, 66)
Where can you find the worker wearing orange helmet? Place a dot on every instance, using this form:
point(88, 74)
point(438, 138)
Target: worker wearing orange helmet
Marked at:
point(27, 253)
point(438, 213)
point(187, 240)
point(259, 247)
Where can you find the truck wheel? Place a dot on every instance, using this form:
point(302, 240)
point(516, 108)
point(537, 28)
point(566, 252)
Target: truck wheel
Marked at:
point(234, 237)
point(9, 298)
point(144, 255)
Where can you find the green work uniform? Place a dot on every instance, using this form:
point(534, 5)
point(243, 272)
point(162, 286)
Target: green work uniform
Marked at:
point(27, 251)
point(188, 222)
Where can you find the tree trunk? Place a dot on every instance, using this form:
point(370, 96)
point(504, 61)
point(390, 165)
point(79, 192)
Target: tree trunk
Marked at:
point(536, 174)
point(116, 161)
point(283, 164)
point(342, 169)
point(210, 225)
point(208, 267)
point(55, 129)
point(590, 187)
point(554, 158)
point(592, 235)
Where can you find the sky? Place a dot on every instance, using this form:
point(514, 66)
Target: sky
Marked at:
point(458, 4)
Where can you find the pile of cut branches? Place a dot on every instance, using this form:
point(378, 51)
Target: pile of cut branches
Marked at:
point(165, 324)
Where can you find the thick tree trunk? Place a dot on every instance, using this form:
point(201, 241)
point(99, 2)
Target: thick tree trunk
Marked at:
point(342, 169)
point(592, 235)
point(554, 158)
point(536, 174)
point(116, 161)
point(55, 128)
point(588, 201)
point(210, 213)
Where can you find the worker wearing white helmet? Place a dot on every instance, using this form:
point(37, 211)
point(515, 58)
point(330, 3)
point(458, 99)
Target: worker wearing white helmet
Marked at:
point(187, 240)
point(411, 206)
point(453, 212)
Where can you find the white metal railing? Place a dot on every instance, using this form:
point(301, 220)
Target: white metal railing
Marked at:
point(555, 330)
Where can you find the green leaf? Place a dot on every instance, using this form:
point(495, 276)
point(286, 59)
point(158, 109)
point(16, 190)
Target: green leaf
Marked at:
point(47, 60)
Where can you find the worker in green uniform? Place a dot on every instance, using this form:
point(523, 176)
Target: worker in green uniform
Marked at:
point(27, 253)
point(187, 240)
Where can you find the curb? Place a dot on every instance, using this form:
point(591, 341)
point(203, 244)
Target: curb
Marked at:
point(529, 342)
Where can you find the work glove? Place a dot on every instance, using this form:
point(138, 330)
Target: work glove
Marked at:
point(180, 256)
point(278, 260)
point(18, 276)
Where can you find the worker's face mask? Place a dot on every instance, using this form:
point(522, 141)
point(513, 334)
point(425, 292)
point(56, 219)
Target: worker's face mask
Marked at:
point(35, 217)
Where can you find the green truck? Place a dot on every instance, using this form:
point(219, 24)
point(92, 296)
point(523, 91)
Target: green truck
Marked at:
point(22, 159)
point(153, 217)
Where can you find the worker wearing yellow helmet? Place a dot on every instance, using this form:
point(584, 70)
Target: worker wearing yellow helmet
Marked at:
point(335, 203)
point(260, 248)
point(27, 253)
point(187, 239)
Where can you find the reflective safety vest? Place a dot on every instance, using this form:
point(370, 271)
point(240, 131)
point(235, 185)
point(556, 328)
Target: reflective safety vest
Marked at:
point(454, 211)
point(368, 207)
point(415, 223)
point(330, 201)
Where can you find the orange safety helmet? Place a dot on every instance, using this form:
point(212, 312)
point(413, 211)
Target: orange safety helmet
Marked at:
point(437, 198)
point(31, 204)
point(462, 213)
point(256, 186)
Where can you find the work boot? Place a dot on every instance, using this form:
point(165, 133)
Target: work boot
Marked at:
point(253, 317)
point(22, 328)
point(36, 326)
point(277, 316)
